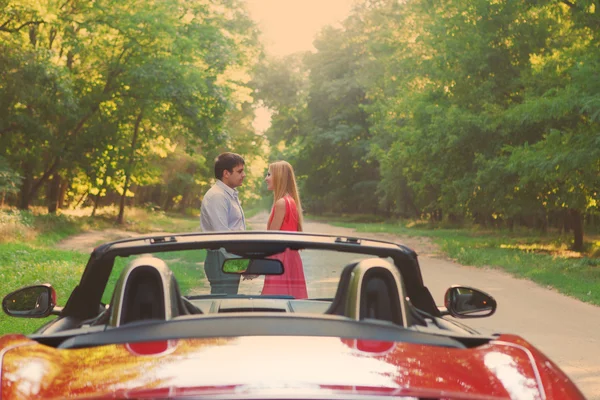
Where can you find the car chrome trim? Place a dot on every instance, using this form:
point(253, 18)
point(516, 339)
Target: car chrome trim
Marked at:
point(56, 310)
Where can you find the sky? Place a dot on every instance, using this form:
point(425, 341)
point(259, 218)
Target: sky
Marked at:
point(289, 26)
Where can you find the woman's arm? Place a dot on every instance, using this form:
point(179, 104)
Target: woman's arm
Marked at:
point(278, 215)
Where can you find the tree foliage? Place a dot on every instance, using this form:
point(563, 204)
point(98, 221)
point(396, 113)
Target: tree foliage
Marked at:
point(98, 90)
point(482, 112)
point(461, 111)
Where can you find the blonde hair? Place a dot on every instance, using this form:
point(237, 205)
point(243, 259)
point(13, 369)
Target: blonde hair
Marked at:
point(284, 182)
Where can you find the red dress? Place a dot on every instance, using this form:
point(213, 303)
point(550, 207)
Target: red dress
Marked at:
point(292, 282)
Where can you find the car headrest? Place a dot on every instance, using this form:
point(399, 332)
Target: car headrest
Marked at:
point(370, 289)
point(380, 296)
point(144, 296)
point(340, 301)
point(146, 289)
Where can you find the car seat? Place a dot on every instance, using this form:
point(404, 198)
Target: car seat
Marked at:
point(340, 300)
point(147, 290)
point(369, 289)
point(143, 298)
point(379, 297)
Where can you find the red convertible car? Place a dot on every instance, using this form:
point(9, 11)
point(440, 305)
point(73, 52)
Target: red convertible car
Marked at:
point(354, 320)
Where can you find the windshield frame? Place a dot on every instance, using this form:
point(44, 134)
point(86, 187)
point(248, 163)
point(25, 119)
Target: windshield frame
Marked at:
point(85, 298)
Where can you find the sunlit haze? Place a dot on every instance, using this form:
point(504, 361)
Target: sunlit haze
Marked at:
point(290, 26)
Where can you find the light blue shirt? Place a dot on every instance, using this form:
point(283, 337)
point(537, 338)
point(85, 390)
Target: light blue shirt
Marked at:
point(221, 210)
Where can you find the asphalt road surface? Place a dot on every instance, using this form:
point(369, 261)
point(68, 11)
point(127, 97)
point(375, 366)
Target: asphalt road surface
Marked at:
point(565, 329)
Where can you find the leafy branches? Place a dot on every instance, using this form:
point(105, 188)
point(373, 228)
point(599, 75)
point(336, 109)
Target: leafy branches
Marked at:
point(478, 111)
point(98, 86)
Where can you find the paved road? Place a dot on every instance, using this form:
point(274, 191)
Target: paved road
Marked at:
point(565, 329)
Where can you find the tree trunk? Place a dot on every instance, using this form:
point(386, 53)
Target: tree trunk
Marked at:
point(168, 204)
point(483, 221)
point(82, 198)
point(134, 188)
point(129, 169)
point(577, 225)
point(62, 194)
point(183, 203)
point(53, 194)
point(29, 188)
point(96, 202)
point(566, 221)
point(412, 206)
point(24, 193)
point(544, 224)
point(120, 218)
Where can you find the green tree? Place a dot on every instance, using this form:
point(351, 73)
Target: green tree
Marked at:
point(9, 180)
point(118, 80)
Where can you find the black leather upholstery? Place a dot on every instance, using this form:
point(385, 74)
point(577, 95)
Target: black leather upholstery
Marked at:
point(380, 297)
point(379, 294)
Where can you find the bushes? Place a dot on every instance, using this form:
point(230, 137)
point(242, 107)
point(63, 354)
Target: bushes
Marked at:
point(16, 226)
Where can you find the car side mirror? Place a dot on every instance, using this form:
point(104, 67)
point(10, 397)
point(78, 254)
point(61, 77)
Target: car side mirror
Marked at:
point(30, 302)
point(468, 302)
point(253, 266)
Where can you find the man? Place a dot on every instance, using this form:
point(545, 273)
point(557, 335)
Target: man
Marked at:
point(221, 211)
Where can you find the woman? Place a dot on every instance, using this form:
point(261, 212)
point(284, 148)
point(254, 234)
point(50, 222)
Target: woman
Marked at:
point(286, 215)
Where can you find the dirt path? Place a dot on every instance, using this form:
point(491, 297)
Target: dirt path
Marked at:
point(565, 329)
point(86, 241)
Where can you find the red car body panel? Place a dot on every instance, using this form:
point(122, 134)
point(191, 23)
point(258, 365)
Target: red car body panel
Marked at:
point(505, 368)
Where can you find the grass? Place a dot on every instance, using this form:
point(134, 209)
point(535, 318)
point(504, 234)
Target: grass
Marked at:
point(252, 211)
point(545, 260)
point(187, 266)
point(25, 264)
point(28, 255)
point(140, 220)
point(33, 227)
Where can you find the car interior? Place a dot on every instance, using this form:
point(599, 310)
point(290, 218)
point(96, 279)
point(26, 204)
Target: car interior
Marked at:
point(369, 290)
point(376, 300)
point(147, 290)
point(144, 296)
point(371, 302)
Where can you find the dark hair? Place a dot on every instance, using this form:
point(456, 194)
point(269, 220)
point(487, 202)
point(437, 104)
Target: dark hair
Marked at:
point(227, 161)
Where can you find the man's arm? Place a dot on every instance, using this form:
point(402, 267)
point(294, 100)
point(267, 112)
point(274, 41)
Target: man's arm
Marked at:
point(214, 214)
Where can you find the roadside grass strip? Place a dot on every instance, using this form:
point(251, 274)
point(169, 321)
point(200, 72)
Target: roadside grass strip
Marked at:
point(545, 260)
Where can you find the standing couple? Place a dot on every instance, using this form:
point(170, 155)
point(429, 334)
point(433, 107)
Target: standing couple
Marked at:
point(222, 211)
